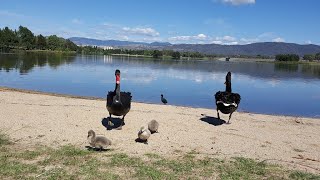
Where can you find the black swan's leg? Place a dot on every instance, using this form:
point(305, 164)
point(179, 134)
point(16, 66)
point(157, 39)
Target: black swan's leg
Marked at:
point(109, 120)
point(218, 113)
point(122, 122)
point(229, 118)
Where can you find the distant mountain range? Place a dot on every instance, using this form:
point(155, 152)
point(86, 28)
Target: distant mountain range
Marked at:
point(262, 48)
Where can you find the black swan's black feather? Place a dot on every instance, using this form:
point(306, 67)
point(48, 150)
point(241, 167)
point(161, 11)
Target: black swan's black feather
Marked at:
point(120, 108)
point(226, 101)
point(227, 97)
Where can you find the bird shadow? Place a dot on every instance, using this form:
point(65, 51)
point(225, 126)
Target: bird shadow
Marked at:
point(141, 141)
point(89, 148)
point(212, 120)
point(115, 121)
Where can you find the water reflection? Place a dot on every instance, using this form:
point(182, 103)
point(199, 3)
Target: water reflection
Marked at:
point(274, 88)
point(27, 61)
point(286, 67)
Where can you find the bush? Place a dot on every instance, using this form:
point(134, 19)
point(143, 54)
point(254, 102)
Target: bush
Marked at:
point(287, 57)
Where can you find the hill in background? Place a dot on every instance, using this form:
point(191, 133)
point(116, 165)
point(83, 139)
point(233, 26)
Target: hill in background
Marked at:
point(254, 49)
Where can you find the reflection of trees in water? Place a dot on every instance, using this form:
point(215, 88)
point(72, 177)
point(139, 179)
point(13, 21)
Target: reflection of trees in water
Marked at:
point(27, 61)
point(306, 69)
point(286, 67)
point(311, 69)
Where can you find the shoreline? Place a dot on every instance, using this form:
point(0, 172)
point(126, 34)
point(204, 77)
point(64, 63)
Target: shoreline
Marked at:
point(103, 99)
point(33, 118)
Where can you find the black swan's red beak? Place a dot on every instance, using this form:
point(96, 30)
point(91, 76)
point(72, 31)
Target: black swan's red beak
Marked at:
point(118, 79)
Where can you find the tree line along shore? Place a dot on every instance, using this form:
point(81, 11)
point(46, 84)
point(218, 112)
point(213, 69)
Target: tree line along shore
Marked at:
point(24, 39)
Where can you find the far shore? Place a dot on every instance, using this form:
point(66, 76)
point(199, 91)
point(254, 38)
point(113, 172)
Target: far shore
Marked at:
point(54, 120)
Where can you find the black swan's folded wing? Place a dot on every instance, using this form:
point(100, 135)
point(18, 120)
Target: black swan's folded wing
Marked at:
point(227, 97)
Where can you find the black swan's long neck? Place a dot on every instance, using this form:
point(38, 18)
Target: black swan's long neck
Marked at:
point(228, 87)
point(228, 82)
point(117, 89)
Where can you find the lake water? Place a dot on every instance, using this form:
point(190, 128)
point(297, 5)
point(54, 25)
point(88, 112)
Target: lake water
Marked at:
point(272, 88)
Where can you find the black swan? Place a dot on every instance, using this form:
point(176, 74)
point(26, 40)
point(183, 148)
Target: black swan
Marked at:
point(118, 103)
point(163, 100)
point(227, 102)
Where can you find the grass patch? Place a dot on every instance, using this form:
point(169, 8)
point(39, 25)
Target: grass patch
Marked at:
point(15, 169)
point(149, 172)
point(70, 162)
point(152, 156)
point(303, 176)
point(4, 139)
point(243, 168)
point(121, 159)
point(68, 155)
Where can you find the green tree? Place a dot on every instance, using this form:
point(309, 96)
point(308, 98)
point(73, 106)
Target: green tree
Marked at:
point(69, 45)
point(41, 42)
point(317, 56)
point(54, 42)
point(9, 38)
point(287, 57)
point(176, 55)
point(26, 38)
point(156, 54)
point(309, 57)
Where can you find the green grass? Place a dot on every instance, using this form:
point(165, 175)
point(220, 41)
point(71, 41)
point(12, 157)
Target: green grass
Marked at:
point(4, 140)
point(303, 176)
point(152, 156)
point(70, 162)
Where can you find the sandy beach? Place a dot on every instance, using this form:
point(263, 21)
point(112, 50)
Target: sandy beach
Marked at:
point(31, 118)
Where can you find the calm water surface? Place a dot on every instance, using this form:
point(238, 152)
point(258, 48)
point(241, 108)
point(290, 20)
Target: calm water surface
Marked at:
point(271, 88)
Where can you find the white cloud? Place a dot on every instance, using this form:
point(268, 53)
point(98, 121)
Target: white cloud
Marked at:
point(141, 31)
point(249, 40)
point(308, 42)
point(76, 21)
point(278, 39)
point(217, 42)
point(226, 38)
point(239, 2)
point(232, 43)
point(123, 38)
point(188, 38)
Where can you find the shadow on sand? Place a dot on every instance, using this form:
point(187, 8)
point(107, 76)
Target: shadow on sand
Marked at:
point(212, 120)
point(115, 121)
point(141, 141)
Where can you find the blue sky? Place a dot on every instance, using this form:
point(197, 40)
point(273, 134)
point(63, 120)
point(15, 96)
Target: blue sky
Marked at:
point(174, 21)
